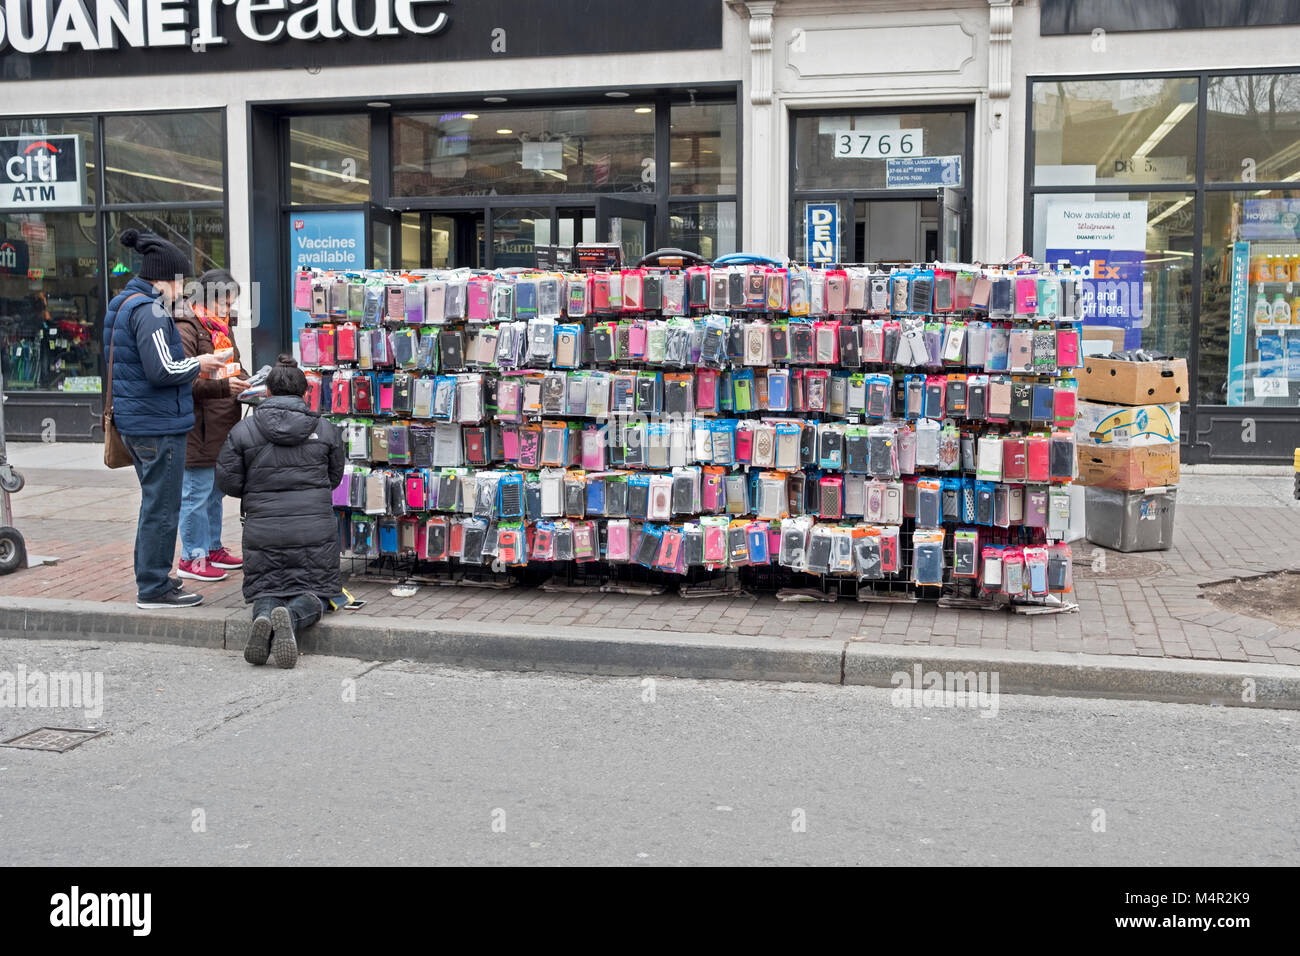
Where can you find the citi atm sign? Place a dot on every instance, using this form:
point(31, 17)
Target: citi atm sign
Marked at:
point(41, 171)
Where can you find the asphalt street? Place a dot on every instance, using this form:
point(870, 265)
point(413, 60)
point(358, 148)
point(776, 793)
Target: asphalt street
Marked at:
point(210, 761)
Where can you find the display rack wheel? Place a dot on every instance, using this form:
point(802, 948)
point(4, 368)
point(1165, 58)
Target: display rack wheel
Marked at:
point(13, 550)
point(12, 481)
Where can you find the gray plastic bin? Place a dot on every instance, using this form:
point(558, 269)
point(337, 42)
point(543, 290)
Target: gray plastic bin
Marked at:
point(1131, 520)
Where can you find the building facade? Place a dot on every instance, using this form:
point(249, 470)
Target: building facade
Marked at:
point(1148, 141)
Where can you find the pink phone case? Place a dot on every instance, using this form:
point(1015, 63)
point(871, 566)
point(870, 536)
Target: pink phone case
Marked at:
point(1036, 458)
point(302, 291)
point(1026, 296)
point(415, 491)
point(479, 304)
point(715, 545)
point(636, 340)
point(1067, 348)
point(593, 450)
point(510, 443)
point(617, 548)
point(1063, 407)
point(706, 390)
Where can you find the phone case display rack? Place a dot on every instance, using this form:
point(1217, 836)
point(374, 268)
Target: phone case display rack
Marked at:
point(891, 434)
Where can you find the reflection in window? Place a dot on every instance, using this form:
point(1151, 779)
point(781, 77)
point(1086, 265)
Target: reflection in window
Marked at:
point(505, 152)
point(164, 157)
point(410, 240)
point(50, 305)
point(200, 233)
point(516, 233)
point(1144, 286)
point(1250, 299)
point(703, 153)
point(708, 228)
point(1099, 132)
point(1253, 128)
point(817, 166)
point(329, 159)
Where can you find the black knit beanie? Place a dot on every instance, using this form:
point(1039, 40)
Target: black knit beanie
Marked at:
point(161, 260)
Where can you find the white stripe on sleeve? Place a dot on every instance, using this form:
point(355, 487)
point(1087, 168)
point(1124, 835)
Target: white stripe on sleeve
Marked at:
point(172, 366)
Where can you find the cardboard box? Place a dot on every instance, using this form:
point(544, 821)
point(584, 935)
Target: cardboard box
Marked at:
point(1128, 469)
point(1127, 425)
point(1100, 339)
point(1133, 383)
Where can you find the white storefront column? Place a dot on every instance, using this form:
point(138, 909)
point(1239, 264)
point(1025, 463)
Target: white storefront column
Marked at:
point(1000, 235)
point(762, 170)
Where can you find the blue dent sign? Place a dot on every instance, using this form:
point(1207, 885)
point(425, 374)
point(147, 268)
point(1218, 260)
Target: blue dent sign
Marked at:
point(822, 232)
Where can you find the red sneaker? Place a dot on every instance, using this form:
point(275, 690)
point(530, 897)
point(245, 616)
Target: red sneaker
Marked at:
point(199, 570)
point(221, 558)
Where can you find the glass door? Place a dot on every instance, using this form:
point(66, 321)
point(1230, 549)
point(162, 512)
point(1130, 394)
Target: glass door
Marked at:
point(952, 204)
point(629, 223)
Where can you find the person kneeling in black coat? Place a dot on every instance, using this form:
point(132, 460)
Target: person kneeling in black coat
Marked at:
point(284, 462)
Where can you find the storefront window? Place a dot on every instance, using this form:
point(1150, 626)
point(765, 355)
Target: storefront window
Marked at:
point(516, 233)
point(703, 154)
point(329, 159)
point(1097, 132)
point(708, 228)
point(201, 233)
point(1253, 128)
point(504, 152)
point(800, 222)
point(37, 128)
point(1140, 247)
point(164, 157)
point(1250, 299)
point(50, 305)
point(830, 153)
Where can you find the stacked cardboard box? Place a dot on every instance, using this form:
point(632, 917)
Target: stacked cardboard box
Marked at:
point(1128, 448)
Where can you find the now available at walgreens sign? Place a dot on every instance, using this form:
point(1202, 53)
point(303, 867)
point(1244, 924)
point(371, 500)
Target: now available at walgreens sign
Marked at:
point(48, 39)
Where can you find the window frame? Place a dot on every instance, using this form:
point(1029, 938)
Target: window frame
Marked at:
point(849, 196)
point(1198, 187)
point(101, 209)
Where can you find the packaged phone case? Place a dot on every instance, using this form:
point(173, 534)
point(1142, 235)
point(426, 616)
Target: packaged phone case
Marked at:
point(927, 557)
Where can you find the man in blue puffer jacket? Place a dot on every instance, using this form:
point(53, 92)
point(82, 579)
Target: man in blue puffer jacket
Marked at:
point(153, 406)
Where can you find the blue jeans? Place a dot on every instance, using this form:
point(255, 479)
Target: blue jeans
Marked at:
point(200, 513)
point(160, 465)
point(304, 609)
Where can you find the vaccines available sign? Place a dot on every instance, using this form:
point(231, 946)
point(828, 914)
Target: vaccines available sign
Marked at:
point(37, 172)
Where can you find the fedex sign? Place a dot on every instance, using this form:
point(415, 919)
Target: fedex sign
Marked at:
point(822, 232)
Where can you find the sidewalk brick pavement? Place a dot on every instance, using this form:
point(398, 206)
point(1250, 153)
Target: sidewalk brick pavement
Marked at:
point(1147, 605)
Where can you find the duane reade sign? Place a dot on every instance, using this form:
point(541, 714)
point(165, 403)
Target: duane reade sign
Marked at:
point(41, 171)
point(56, 26)
point(48, 39)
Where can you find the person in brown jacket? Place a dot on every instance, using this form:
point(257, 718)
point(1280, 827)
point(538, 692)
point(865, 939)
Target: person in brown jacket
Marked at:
point(206, 322)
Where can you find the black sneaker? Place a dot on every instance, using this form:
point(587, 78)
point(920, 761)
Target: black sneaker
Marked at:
point(171, 599)
point(284, 647)
point(258, 647)
point(177, 584)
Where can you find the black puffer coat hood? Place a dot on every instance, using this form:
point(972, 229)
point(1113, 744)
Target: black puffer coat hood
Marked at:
point(284, 462)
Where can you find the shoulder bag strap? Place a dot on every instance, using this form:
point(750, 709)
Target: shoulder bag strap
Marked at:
point(112, 345)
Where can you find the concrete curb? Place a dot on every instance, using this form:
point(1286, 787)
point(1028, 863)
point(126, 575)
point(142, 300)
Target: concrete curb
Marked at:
point(580, 650)
point(1057, 674)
